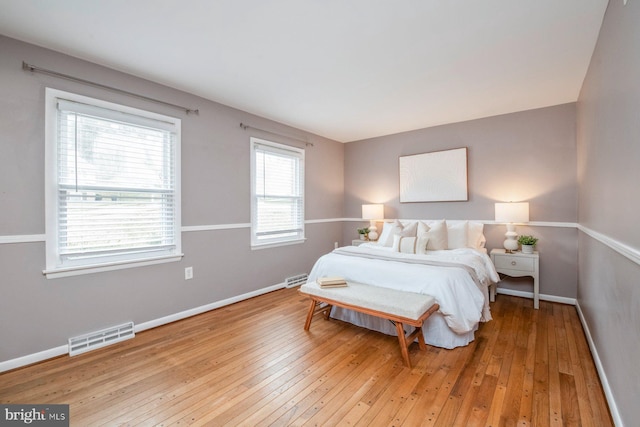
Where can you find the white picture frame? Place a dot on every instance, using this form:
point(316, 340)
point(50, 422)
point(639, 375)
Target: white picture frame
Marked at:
point(439, 176)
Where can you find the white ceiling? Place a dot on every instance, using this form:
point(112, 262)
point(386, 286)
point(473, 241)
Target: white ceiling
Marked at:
point(343, 69)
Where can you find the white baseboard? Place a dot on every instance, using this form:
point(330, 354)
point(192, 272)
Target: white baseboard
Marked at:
point(30, 359)
point(543, 297)
point(617, 420)
point(40, 356)
point(204, 308)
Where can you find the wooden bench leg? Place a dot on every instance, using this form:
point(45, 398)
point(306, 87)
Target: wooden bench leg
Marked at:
point(315, 308)
point(421, 343)
point(404, 347)
point(312, 309)
point(407, 340)
point(326, 311)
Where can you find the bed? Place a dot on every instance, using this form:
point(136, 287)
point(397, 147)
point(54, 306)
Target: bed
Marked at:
point(445, 259)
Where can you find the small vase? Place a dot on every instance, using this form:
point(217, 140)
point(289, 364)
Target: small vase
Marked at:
point(527, 249)
point(362, 237)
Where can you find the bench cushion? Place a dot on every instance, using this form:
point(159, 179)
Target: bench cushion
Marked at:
point(409, 305)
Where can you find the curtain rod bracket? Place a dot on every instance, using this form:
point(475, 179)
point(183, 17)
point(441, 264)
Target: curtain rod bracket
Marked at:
point(34, 69)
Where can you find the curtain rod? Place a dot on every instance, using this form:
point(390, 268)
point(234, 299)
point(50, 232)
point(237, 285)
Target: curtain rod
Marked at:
point(34, 69)
point(245, 127)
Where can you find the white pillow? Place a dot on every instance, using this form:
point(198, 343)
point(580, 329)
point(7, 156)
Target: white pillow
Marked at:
point(457, 234)
point(388, 231)
point(437, 235)
point(404, 244)
point(410, 230)
point(421, 244)
point(475, 236)
point(423, 227)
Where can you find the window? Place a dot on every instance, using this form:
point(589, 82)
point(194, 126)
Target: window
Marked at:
point(112, 186)
point(277, 194)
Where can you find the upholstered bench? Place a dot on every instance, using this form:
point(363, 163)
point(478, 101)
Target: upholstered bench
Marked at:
point(399, 307)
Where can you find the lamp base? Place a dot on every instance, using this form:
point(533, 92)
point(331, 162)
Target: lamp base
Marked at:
point(510, 244)
point(373, 231)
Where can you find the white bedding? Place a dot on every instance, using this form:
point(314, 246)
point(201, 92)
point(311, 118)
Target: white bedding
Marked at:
point(463, 302)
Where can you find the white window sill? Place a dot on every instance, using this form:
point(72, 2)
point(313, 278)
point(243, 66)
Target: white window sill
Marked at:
point(96, 268)
point(277, 244)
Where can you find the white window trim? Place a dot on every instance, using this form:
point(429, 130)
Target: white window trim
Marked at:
point(53, 268)
point(279, 242)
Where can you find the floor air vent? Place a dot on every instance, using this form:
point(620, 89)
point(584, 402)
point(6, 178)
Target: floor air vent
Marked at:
point(296, 280)
point(98, 339)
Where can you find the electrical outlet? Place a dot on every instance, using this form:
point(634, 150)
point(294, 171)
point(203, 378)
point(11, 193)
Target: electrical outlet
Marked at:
point(188, 273)
point(335, 245)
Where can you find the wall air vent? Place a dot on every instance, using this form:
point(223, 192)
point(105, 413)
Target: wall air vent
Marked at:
point(298, 280)
point(98, 339)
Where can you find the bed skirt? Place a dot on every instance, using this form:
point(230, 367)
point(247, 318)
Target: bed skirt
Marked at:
point(436, 332)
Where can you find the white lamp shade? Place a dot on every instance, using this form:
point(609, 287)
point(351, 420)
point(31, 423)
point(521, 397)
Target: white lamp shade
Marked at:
point(512, 212)
point(373, 211)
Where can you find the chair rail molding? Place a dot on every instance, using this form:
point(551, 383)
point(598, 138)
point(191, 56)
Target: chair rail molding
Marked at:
point(35, 238)
point(627, 251)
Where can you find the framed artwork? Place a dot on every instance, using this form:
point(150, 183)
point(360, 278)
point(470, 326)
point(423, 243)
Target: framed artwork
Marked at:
point(440, 176)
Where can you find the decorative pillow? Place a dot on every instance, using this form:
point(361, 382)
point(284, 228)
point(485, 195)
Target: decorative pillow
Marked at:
point(410, 230)
point(437, 235)
point(457, 234)
point(421, 244)
point(423, 227)
point(389, 229)
point(404, 244)
point(475, 236)
point(385, 233)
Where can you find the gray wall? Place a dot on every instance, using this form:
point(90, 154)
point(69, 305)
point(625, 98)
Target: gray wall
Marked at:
point(38, 314)
point(608, 135)
point(527, 156)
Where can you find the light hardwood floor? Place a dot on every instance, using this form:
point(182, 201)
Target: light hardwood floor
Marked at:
point(252, 363)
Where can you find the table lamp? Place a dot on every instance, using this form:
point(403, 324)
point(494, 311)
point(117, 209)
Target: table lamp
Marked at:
point(373, 213)
point(512, 213)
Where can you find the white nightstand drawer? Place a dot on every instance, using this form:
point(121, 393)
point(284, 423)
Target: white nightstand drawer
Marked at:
point(514, 263)
point(517, 265)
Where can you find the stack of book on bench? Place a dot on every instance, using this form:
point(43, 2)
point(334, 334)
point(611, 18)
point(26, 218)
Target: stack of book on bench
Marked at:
point(331, 282)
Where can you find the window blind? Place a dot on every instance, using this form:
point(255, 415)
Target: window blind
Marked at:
point(278, 194)
point(116, 183)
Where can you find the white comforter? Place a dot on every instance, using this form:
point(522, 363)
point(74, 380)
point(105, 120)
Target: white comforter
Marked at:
point(463, 302)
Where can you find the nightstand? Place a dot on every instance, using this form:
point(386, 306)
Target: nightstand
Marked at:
point(518, 264)
point(358, 242)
